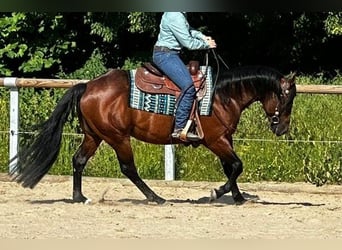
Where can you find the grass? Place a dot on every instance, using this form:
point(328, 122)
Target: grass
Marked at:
point(310, 152)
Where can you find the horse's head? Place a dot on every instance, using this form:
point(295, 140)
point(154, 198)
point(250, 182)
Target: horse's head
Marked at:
point(278, 106)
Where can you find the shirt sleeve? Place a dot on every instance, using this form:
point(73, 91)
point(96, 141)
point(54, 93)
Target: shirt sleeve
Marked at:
point(186, 36)
point(196, 33)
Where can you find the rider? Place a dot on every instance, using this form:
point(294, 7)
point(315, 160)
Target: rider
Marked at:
point(175, 33)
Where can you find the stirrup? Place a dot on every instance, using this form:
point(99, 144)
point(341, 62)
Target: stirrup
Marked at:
point(176, 133)
point(184, 134)
point(192, 137)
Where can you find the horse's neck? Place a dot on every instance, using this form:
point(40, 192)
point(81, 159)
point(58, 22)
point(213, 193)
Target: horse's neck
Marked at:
point(247, 94)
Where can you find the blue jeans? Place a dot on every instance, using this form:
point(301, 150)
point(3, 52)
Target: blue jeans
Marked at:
point(173, 66)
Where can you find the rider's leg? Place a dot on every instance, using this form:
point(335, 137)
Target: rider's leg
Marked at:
point(172, 65)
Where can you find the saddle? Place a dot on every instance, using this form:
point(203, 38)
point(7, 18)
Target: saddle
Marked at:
point(150, 79)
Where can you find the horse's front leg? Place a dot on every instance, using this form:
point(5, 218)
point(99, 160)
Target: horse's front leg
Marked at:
point(232, 167)
point(232, 171)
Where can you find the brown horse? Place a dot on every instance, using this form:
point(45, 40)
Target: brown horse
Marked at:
point(102, 106)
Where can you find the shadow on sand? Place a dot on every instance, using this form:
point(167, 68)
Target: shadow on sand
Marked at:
point(223, 201)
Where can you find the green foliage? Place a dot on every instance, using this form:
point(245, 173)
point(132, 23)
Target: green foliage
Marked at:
point(92, 68)
point(4, 129)
point(333, 24)
point(315, 119)
point(132, 63)
point(197, 164)
point(142, 22)
point(322, 164)
point(105, 25)
point(310, 152)
point(37, 61)
point(30, 42)
point(10, 25)
point(48, 43)
point(35, 44)
point(102, 31)
point(43, 101)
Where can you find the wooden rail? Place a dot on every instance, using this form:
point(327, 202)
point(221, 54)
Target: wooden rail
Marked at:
point(67, 83)
point(43, 83)
point(319, 89)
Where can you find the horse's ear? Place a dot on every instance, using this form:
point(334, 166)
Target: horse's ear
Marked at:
point(288, 81)
point(291, 77)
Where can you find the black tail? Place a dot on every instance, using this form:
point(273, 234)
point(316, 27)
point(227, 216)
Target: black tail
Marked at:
point(36, 160)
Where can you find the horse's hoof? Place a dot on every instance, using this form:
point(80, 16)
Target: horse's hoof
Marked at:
point(87, 202)
point(213, 195)
point(240, 201)
point(156, 199)
point(160, 201)
point(80, 199)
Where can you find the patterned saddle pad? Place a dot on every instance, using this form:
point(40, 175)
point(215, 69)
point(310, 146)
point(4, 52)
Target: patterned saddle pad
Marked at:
point(164, 103)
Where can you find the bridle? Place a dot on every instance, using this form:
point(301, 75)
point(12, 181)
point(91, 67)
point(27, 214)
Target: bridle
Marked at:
point(275, 119)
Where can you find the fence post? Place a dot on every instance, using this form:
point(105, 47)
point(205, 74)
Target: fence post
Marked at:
point(169, 161)
point(14, 121)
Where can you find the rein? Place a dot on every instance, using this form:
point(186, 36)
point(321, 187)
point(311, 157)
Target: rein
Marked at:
point(218, 58)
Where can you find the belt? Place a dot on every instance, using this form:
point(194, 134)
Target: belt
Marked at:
point(164, 49)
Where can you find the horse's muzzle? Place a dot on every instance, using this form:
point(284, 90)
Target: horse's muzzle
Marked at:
point(279, 129)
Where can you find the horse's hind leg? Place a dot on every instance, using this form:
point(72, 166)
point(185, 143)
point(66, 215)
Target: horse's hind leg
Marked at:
point(79, 160)
point(127, 166)
point(130, 171)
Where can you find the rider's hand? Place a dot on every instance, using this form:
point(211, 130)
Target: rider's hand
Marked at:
point(211, 42)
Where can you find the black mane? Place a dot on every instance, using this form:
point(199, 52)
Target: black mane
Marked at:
point(255, 78)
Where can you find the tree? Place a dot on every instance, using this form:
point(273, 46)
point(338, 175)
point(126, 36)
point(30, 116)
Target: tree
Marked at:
point(42, 44)
point(10, 47)
point(54, 44)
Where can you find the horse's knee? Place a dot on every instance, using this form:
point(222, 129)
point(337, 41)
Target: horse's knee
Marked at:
point(237, 168)
point(232, 168)
point(127, 169)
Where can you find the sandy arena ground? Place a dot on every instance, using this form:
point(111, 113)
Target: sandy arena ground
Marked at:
point(119, 211)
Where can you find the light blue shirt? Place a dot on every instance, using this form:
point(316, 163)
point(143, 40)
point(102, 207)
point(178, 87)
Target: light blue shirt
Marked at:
point(176, 33)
